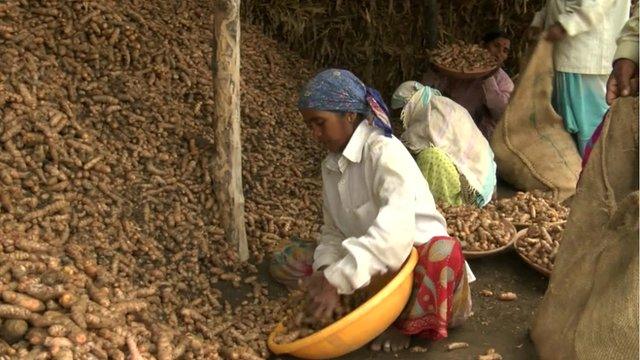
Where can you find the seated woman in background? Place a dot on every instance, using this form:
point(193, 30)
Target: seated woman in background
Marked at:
point(454, 157)
point(485, 99)
point(377, 206)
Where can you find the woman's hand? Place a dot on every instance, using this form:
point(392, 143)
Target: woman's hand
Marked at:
point(623, 80)
point(323, 297)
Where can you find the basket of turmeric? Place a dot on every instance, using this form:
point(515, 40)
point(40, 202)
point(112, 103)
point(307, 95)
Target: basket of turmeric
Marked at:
point(481, 232)
point(539, 245)
point(528, 208)
point(463, 61)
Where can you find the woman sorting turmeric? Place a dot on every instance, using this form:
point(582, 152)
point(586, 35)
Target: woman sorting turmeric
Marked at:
point(376, 207)
point(451, 152)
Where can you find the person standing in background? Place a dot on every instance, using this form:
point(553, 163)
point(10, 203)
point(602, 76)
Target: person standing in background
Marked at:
point(485, 99)
point(623, 80)
point(584, 34)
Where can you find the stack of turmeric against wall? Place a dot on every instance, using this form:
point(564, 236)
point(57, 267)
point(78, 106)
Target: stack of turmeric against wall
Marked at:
point(110, 243)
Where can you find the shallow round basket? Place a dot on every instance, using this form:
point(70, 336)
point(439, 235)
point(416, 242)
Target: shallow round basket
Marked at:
point(468, 254)
point(535, 266)
point(357, 328)
point(464, 75)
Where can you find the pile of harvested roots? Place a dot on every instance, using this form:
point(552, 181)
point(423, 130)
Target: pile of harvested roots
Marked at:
point(300, 323)
point(530, 208)
point(463, 57)
point(110, 242)
point(540, 245)
point(477, 229)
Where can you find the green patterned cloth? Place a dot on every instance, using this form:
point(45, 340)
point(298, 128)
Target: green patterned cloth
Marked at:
point(447, 185)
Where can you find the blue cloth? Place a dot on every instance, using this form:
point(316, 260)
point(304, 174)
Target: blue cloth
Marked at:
point(580, 100)
point(340, 90)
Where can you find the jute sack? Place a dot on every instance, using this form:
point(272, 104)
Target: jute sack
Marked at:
point(590, 310)
point(532, 148)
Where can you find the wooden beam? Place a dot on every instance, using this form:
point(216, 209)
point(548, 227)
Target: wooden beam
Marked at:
point(228, 161)
point(432, 11)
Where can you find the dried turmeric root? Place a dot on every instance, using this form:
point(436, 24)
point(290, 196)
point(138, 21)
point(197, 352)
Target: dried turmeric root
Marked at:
point(25, 301)
point(13, 330)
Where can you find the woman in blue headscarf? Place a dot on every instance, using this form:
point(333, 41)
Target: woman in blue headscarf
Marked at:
point(377, 206)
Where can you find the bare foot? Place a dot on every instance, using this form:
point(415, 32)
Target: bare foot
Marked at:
point(391, 340)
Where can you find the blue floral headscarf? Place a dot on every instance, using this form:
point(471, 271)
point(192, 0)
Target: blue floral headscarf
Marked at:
point(340, 90)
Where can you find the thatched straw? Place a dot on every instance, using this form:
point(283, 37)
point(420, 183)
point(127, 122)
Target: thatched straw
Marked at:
point(386, 42)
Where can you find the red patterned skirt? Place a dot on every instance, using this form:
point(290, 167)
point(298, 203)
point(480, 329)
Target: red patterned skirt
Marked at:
point(440, 298)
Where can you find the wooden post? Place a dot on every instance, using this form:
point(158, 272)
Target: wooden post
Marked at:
point(432, 10)
point(228, 161)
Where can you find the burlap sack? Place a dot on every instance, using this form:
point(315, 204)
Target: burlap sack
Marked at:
point(590, 310)
point(532, 148)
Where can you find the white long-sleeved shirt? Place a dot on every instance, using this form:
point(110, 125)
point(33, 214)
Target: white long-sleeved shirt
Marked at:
point(377, 205)
point(592, 27)
point(628, 40)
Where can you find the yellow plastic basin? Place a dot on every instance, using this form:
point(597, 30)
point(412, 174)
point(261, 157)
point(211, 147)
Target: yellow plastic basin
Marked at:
point(360, 326)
